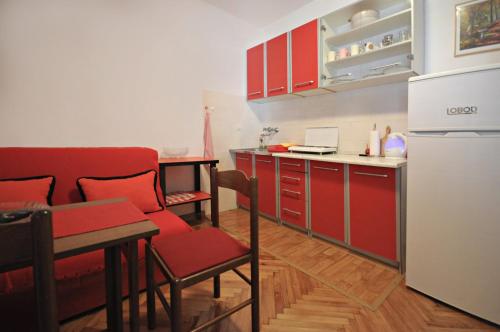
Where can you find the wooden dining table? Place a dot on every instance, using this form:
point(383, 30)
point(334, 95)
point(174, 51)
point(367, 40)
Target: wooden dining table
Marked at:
point(119, 228)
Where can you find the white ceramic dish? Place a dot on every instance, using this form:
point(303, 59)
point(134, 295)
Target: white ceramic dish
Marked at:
point(364, 17)
point(174, 152)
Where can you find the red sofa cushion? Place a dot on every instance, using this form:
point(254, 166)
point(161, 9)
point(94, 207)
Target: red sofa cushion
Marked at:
point(189, 253)
point(34, 189)
point(69, 164)
point(138, 188)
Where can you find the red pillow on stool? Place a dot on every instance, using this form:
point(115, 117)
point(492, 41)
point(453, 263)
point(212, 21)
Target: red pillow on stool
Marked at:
point(140, 189)
point(34, 189)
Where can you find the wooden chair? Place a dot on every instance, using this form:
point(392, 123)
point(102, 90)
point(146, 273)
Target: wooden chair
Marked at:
point(189, 258)
point(34, 245)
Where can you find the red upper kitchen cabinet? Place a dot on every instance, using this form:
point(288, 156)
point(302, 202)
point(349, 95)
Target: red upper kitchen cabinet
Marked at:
point(255, 72)
point(277, 65)
point(305, 57)
point(372, 196)
point(265, 170)
point(327, 199)
point(244, 164)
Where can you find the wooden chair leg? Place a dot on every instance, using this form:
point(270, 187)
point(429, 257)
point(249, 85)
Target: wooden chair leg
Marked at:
point(150, 287)
point(175, 307)
point(255, 295)
point(217, 286)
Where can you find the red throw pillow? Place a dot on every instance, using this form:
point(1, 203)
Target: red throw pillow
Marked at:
point(33, 189)
point(140, 189)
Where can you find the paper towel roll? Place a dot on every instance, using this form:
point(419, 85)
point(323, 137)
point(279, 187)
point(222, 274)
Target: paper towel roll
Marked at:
point(374, 143)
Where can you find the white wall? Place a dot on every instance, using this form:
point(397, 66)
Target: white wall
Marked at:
point(440, 42)
point(114, 72)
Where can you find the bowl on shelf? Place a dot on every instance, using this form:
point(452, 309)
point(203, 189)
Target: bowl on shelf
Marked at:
point(170, 152)
point(364, 17)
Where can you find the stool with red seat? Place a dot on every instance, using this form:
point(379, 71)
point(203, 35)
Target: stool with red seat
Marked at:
point(189, 258)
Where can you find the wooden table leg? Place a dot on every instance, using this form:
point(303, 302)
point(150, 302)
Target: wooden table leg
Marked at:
point(113, 288)
point(151, 308)
point(197, 187)
point(163, 181)
point(133, 284)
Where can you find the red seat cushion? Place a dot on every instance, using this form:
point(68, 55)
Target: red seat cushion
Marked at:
point(189, 253)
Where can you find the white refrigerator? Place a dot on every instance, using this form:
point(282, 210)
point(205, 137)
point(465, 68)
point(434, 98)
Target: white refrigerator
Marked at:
point(453, 211)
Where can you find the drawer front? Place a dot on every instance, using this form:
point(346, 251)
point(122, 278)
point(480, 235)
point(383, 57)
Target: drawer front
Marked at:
point(293, 179)
point(297, 165)
point(293, 192)
point(293, 211)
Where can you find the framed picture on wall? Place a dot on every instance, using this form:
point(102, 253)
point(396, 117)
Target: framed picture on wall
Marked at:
point(477, 27)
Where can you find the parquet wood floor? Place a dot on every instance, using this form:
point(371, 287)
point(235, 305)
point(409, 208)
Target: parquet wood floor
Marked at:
point(293, 301)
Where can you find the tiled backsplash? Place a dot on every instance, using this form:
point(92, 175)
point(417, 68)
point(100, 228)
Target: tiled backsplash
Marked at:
point(353, 112)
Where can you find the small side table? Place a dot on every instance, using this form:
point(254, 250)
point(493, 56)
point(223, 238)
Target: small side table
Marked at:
point(196, 162)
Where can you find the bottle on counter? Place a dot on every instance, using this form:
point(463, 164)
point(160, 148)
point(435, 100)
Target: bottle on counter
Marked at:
point(374, 142)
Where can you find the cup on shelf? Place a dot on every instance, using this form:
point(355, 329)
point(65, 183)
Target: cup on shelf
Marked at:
point(354, 49)
point(343, 53)
point(404, 35)
point(388, 40)
point(332, 56)
point(369, 46)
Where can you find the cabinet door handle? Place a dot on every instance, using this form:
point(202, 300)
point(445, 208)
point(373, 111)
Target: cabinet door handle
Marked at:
point(372, 174)
point(291, 164)
point(263, 161)
point(292, 212)
point(277, 89)
point(290, 178)
point(301, 84)
point(254, 93)
point(327, 168)
point(241, 158)
point(297, 193)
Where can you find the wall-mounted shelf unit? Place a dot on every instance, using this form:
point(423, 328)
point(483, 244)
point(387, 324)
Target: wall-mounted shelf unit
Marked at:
point(394, 62)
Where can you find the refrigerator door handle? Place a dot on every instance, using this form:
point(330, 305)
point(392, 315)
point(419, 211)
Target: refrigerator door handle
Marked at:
point(455, 134)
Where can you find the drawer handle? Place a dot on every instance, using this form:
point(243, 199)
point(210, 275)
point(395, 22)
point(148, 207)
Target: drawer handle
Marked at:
point(301, 84)
point(290, 178)
point(298, 193)
point(254, 93)
point(291, 164)
point(372, 174)
point(263, 161)
point(277, 89)
point(292, 212)
point(327, 168)
point(241, 158)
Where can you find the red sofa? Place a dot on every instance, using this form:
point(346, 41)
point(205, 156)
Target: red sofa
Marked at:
point(80, 279)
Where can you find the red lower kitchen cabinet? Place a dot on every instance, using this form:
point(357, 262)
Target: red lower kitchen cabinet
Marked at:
point(372, 197)
point(265, 170)
point(244, 164)
point(255, 72)
point(327, 199)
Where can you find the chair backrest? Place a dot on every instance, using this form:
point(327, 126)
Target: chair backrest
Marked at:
point(238, 181)
point(30, 241)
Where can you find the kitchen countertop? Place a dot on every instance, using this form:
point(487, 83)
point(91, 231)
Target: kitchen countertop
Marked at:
point(347, 159)
point(333, 158)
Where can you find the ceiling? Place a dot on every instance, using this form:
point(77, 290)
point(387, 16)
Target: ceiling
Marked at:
point(259, 13)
